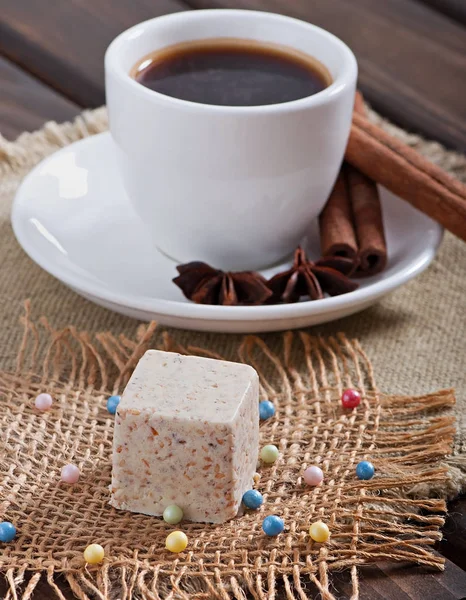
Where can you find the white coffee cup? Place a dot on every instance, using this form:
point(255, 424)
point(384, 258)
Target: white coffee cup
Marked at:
point(236, 187)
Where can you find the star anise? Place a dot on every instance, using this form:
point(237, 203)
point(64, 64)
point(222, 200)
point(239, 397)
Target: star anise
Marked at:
point(314, 279)
point(205, 285)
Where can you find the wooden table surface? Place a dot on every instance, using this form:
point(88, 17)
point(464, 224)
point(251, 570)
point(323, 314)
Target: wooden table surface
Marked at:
point(412, 61)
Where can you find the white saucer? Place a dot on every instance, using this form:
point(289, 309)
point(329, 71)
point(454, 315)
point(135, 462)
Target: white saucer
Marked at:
point(73, 218)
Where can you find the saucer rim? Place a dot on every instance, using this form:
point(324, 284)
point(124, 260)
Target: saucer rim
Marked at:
point(191, 310)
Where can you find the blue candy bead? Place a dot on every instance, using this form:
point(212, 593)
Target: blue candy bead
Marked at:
point(365, 470)
point(112, 404)
point(7, 531)
point(273, 525)
point(266, 410)
point(252, 499)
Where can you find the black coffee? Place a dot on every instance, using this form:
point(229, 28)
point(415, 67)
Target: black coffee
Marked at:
point(232, 72)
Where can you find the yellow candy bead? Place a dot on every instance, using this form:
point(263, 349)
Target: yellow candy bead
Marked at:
point(176, 541)
point(319, 532)
point(94, 554)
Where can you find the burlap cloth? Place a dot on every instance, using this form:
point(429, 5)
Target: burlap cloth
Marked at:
point(415, 339)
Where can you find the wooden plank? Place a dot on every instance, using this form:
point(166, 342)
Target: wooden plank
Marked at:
point(63, 42)
point(419, 583)
point(26, 104)
point(453, 544)
point(392, 581)
point(42, 591)
point(411, 58)
point(455, 9)
point(417, 78)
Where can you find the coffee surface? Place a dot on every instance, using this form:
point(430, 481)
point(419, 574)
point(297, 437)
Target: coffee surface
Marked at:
point(232, 72)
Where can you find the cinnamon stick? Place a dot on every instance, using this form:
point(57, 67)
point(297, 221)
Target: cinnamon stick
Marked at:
point(337, 235)
point(403, 171)
point(351, 223)
point(359, 106)
point(368, 223)
point(367, 215)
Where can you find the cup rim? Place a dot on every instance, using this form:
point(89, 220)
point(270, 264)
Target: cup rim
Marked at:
point(347, 76)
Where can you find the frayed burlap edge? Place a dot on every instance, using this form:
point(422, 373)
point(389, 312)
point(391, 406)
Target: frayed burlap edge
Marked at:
point(403, 434)
point(29, 148)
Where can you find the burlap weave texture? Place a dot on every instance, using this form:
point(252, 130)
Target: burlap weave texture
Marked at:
point(369, 520)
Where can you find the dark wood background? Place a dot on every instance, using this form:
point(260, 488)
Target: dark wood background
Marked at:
point(411, 54)
point(412, 61)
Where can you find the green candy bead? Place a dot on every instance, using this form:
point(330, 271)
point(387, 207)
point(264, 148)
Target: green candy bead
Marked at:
point(172, 514)
point(269, 454)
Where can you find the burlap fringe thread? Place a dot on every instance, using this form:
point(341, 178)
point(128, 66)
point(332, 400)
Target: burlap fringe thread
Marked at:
point(370, 521)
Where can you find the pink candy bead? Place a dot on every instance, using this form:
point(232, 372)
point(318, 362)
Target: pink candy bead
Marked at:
point(70, 474)
point(313, 475)
point(43, 401)
point(350, 398)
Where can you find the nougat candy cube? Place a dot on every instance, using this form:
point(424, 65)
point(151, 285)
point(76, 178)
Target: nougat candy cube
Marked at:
point(186, 433)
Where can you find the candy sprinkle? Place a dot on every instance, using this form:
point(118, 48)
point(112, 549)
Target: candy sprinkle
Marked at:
point(253, 499)
point(172, 514)
point(7, 531)
point(273, 525)
point(319, 532)
point(176, 541)
point(365, 470)
point(43, 402)
point(112, 404)
point(313, 475)
point(266, 410)
point(70, 474)
point(269, 454)
point(350, 398)
point(94, 554)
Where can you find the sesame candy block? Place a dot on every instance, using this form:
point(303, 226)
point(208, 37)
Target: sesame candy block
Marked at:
point(186, 433)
